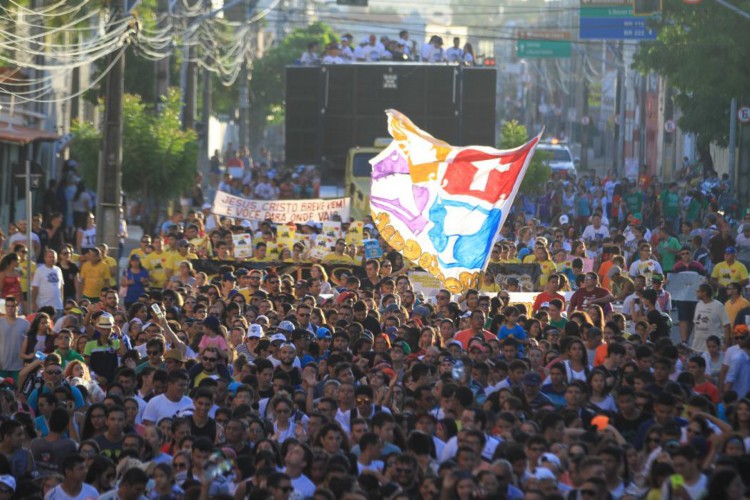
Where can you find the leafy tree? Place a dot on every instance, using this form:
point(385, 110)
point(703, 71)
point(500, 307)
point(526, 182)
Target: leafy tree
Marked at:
point(268, 84)
point(159, 158)
point(703, 51)
point(512, 135)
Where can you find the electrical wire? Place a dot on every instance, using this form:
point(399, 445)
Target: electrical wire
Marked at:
point(91, 85)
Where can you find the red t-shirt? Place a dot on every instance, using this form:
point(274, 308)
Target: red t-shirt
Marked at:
point(709, 390)
point(465, 336)
point(546, 297)
point(581, 300)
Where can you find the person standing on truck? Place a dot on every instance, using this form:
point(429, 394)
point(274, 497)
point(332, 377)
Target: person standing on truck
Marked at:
point(310, 57)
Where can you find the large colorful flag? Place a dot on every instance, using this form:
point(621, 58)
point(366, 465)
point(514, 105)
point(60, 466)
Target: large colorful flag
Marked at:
point(441, 206)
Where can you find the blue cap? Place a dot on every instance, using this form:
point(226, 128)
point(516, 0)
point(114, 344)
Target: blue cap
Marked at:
point(323, 333)
point(730, 250)
point(228, 277)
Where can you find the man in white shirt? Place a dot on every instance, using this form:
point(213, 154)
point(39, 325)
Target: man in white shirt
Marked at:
point(455, 54)
point(694, 482)
point(310, 57)
point(710, 318)
point(47, 284)
point(595, 232)
point(407, 46)
point(172, 402)
point(347, 54)
point(646, 265)
point(298, 457)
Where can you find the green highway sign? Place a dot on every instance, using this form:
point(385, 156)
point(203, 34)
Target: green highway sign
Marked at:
point(542, 48)
point(542, 43)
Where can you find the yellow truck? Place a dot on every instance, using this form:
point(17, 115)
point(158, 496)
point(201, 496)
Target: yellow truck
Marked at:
point(358, 176)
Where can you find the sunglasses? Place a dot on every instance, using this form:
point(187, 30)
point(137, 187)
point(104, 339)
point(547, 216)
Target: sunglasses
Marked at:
point(588, 493)
point(179, 465)
point(54, 372)
point(153, 353)
point(210, 360)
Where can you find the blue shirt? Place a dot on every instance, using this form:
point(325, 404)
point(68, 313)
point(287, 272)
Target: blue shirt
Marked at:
point(739, 375)
point(518, 333)
point(136, 289)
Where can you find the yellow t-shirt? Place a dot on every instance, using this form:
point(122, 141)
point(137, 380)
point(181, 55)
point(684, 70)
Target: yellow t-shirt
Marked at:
point(94, 277)
point(736, 307)
point(137, 251)
point(111, 262)
point(725, 274)
point(24, 278)
point(157, 265)
point(548, 269)
point(333, 258)
point(177, 259)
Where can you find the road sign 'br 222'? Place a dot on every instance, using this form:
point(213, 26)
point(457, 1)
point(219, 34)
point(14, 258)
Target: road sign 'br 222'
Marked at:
point(614, 20)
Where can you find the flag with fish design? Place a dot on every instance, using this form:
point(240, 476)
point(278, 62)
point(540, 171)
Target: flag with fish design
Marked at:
point(441, 206)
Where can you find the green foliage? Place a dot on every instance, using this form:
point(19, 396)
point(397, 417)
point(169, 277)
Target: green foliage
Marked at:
point(87, 143)
point(512, 135)
point(268, 84)
point(703, 51)
point(159, 158)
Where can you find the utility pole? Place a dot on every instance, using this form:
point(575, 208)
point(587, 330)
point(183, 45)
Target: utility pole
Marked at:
point(244, 139)
point(109, 185)
point(733, 140)
point(622, 91)
point(585, 127)
point(191, 90)
point(161, 67)
point(205, 154)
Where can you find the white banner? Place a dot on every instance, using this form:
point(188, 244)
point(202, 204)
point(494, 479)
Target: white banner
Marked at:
point(281, 211)
point(683, 285)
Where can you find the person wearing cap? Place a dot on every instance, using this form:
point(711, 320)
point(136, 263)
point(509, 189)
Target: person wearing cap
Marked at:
point(730, 270)
point(101, 354)
point(252, 339)
point(174, 359)
point(301, 339)
point(228, 281)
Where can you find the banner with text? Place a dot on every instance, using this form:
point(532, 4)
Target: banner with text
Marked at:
point(281, 211)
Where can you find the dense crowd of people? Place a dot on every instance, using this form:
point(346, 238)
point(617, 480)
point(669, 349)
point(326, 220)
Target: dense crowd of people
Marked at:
point(402, 49)
point(243, 381)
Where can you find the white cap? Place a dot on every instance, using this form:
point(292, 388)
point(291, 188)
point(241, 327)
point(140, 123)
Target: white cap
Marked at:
point(8, 481)
point(278, 336)
point(543, 473)
point(206, 206)
point(254, 331)
point(550, 458)
point(564, 219)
